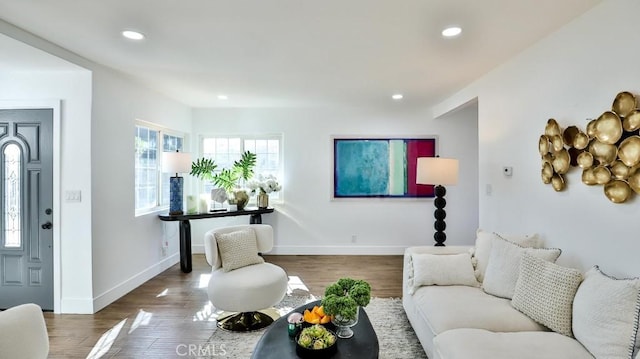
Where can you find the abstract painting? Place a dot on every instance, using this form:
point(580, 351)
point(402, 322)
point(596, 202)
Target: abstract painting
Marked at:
point(379, 167)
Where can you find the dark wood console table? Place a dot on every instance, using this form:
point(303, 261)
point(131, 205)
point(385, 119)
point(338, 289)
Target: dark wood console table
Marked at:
point(185, 228)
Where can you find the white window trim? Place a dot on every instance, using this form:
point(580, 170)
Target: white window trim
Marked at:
point(242, 136)
point(162, 131)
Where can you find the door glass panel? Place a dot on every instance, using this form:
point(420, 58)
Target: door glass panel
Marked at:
point(12, 165)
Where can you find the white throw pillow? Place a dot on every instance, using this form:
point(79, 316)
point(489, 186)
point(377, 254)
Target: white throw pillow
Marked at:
point(545, 291)
point(606, 312)
point(441, 269)
point(238, 249)
point(484, 241)
point(504, 266)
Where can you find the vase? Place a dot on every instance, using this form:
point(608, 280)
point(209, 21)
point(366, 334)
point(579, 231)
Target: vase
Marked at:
point(263, 200)
point(242, 198)
point(343, 325)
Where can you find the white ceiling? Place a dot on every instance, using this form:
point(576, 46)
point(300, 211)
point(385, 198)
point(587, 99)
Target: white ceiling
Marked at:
point(267, 53)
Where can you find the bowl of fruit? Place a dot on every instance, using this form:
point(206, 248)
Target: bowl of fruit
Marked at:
point(316, 315)
point(316, 341)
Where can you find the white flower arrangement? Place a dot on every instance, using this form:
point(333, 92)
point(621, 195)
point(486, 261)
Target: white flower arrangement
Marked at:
point(264, 184)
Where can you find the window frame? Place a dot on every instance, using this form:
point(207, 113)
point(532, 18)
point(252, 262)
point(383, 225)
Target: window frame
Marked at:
point(161, 130)
point(274, 197)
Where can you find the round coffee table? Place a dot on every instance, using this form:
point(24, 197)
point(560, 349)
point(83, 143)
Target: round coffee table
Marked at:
point(275, 342)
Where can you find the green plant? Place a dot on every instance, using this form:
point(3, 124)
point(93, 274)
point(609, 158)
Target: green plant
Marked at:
point(227, 178)
point(343, 297)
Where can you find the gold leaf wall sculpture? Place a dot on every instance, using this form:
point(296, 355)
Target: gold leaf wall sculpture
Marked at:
point(608, 152)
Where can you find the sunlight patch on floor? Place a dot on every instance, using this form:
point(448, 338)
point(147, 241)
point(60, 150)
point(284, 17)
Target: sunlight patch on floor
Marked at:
point(106, 341)
point(204, 280)
point(143, 318)
point(163, 293)
point(207, 314)
point(295, 283)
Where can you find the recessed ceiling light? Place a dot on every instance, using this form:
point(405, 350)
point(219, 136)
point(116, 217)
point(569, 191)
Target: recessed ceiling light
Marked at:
point(132, 35)
point(451, 31)
point(397, 96)
point(223, 97)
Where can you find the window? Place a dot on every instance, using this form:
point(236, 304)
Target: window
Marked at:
point(225, 150)
point(151, 185)
point(12, 214)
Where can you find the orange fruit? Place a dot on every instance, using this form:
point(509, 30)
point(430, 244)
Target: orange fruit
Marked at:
point(326, 319)
point(320, 311)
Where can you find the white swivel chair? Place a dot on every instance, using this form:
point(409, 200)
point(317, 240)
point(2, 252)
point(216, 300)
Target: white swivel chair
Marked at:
point(23, 333)
point(246, 290)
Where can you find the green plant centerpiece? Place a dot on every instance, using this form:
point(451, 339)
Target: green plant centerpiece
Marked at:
point(227, 178)
point(342, 300)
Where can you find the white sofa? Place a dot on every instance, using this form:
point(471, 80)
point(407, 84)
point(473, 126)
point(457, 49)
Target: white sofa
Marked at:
point(463, 321)
point(23, 333)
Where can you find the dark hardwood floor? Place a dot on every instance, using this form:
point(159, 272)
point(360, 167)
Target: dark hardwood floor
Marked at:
point(173, 309)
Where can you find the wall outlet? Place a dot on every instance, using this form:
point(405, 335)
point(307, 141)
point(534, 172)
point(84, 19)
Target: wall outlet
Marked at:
point(354, 238)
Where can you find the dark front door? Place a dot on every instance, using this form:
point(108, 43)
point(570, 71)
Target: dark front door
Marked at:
point(26, 202)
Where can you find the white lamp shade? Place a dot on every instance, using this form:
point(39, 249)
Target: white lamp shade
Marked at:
point(176, 162)
point(437, 171)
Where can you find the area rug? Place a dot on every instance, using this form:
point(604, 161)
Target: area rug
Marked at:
point(396, 338)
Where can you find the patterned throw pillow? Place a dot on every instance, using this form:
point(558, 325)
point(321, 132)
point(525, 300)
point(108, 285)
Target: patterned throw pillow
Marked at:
point(606, 312)
point(504, 266)
point(238, 249)
point(545, 291)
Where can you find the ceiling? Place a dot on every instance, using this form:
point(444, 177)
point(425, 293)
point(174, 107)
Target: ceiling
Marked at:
point(275, 53)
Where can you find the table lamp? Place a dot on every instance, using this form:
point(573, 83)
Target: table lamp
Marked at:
point(438, 171)
point(176, 162)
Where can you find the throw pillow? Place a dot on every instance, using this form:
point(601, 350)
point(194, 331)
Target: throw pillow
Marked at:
point(441, 269)
point(238, 249)
point(504, 266)
point(606, 311)
point(545, 291)
point(484, 241)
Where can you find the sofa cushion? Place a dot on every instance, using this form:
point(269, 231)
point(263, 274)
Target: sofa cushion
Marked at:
point(436, 269)
point(545, 291)
point(504, 266)
point(483, 344)
point(606, 313)
point(484, 242)
point(238, 249)
point(452, 307)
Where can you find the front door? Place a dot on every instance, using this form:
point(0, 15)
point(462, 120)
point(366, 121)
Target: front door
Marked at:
point(26, 202)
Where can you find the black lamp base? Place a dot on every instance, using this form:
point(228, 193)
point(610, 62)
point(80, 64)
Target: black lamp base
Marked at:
point(439, 236)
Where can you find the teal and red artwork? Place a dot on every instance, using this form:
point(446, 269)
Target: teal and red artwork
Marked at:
point(379, 167)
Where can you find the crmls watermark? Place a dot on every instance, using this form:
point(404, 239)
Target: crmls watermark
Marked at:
point(200, 350)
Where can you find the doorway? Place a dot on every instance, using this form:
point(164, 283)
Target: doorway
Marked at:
point(26, 207)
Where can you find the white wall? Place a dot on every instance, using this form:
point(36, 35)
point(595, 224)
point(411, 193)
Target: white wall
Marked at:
point(309, 222)
point(572, 75)
point(105, 250)
point(126, 248)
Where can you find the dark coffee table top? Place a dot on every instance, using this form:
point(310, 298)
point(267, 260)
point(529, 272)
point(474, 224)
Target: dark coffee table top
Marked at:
point(275, 342)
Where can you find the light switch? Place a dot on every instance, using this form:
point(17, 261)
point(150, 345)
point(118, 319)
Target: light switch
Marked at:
point(73, 196)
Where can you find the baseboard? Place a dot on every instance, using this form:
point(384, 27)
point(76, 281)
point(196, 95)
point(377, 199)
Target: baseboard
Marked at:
point(330, 250)
point(76, 306)
point(132, 283)
point(198, 249)
point(338, 250)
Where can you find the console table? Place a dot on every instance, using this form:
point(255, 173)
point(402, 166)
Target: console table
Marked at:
point(255, 217)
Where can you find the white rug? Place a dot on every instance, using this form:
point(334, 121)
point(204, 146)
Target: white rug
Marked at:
point(395, 335)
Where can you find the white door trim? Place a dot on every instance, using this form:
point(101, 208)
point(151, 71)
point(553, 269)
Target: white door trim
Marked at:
point(57, 259)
